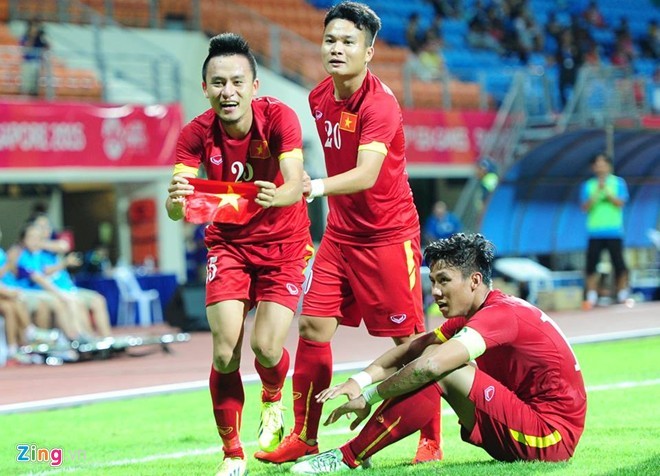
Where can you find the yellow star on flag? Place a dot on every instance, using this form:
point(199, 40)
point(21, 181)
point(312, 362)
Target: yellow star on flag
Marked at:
point(229, 198)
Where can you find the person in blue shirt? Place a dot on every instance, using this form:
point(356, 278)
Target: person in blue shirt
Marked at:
point(441, 223)
point(56, 266)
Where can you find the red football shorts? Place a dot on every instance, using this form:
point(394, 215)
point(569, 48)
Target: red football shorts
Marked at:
point(380, 285)
point(257, 272)
point(509, 429)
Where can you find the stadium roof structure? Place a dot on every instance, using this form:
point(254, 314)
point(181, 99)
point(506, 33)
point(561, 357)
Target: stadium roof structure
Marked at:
point(535, 209)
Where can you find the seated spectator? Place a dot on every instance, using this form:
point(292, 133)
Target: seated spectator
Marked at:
point(553, 29)
point(19, 328)
point(429, 64)
point(446, 8)
point(655, 91)
point(479, 36)
point(413, 33)
point(620, 57)
point(434, 31)
point(593, 16)
point(38, 288)
point(56, 269)
point(650, 43)
point(35, 44)
point(440, 224)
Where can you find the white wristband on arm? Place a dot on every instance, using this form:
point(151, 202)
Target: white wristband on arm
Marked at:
point(362, 378)
point(317, 188)
point(371, 395)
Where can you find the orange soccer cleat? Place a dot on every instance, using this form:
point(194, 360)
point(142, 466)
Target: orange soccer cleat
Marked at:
point(427, 451)
point(290, 449)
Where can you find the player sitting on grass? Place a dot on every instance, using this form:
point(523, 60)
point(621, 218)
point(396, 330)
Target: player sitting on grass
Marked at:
point(523, 400)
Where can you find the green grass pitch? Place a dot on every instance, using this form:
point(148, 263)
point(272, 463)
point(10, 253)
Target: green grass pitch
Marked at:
point(175, 434)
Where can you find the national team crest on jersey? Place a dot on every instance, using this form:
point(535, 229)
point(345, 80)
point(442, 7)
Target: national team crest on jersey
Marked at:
point(259, 149)
point(348, 121)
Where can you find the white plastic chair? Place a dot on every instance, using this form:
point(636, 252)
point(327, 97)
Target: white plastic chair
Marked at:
point(132, 299)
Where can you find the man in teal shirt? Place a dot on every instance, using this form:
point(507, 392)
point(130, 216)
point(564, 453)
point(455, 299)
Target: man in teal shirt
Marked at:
point(603, 198)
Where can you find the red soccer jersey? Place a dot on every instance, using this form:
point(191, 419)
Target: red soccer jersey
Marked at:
point(528, 353)
point(275, 135)
point(370, 119)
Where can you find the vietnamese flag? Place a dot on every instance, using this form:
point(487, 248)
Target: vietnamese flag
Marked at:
point(221, 202)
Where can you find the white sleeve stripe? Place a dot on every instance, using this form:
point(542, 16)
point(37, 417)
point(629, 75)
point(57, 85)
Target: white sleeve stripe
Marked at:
point(472, 340)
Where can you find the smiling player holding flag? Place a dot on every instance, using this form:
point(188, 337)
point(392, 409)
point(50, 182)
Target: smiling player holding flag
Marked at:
point(258, 239)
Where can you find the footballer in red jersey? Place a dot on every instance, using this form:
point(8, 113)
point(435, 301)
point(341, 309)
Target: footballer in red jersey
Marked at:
point(252, 261)
point(523, 398)
point(372, 224)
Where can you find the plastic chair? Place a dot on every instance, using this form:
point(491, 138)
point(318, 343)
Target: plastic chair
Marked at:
point(133, 299)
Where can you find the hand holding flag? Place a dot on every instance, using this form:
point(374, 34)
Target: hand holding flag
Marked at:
point(221, 202)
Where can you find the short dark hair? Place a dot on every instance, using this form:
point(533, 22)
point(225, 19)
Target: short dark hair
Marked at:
point(468, 253)
point(228, 44)
point(360, 14)
point(599, 155)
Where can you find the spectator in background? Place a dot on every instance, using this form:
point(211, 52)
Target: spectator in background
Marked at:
point(655, 91)
point(446, 8)
point(603, 198)
point(434, 31)
point(592, 16)
point(414, 35)
point(441, 223)
point(19, 328)
point(429, 63)
point(35, 44)
point(34, 281)
point(650, 42)
point(553, 29)
point(488, 180)
point(569, 60)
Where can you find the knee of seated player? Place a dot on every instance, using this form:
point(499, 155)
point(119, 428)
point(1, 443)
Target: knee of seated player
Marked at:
point(458, 383)
point(317, 329)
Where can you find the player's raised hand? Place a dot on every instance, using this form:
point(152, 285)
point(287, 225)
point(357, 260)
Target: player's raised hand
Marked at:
point(358, 405)
point(350, 388)
point(266, 194)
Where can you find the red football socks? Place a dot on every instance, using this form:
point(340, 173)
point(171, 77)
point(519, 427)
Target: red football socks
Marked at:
point(393, 420)
point(272, 379)
point(228, 397)
point(312, 373)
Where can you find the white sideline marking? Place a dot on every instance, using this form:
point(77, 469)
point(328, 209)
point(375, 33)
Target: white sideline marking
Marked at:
point(75, 400)
point(339, 431)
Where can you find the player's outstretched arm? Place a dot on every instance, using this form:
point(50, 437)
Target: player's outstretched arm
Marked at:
point(432, 365)
point(360, 178)
point(381, 368)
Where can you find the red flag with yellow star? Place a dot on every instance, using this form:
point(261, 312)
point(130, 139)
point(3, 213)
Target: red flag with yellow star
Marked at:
point(221, 202)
